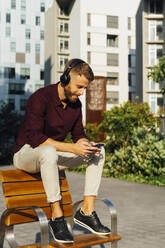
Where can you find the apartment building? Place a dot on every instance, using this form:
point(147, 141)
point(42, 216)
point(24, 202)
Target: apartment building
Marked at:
point(99, 32)
point(150, 47)
point(22, 28)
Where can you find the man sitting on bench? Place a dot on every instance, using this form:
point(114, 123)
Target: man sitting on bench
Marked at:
point(51, 113)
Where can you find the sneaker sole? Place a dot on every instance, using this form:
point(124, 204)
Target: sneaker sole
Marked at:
point(89, 228)
point(58, 240)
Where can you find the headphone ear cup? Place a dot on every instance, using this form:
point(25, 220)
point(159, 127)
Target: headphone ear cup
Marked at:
point(64, 79)
point(67, 79)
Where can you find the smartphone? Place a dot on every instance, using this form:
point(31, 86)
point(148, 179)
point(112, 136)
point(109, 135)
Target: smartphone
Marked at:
point(99, 145)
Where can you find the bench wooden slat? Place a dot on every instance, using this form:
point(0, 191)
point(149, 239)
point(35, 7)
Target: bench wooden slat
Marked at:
point(14, 219)
point(80, 241)
point(34, 200)
point(19, 175)
point(28, 187)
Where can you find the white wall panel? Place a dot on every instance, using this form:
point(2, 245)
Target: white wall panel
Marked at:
point(98, 58)
point(98, 20)
point(98, 39)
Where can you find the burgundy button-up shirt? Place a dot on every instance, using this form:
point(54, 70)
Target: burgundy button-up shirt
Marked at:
point(46, 118)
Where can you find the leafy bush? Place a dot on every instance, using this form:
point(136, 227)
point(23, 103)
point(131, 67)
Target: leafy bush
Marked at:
point(92, 132)
point(143, 156)
point(120, 122)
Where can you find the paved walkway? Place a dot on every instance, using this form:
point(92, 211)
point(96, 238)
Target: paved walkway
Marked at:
point(140, 208)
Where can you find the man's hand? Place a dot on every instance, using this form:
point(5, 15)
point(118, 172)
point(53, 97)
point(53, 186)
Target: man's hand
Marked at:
point(84, 148)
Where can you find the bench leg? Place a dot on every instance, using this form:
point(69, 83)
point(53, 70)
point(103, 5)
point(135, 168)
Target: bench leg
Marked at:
point(2, 230)
point(9, 236)
point(112, 212)
point(6, 232)
point(114, 244)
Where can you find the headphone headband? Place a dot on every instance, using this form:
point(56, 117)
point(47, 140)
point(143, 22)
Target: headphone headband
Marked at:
point(65, 77)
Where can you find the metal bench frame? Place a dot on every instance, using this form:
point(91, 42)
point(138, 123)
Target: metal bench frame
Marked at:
point(7, 232)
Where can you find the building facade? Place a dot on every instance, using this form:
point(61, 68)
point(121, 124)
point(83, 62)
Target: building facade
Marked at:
point(101, 33)
point(150, 47)
point(22, 24)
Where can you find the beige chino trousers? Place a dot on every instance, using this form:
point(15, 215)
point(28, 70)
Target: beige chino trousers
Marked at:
point(48, 161)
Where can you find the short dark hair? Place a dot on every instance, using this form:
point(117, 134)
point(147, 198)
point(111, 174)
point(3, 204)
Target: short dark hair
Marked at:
point(81, 69)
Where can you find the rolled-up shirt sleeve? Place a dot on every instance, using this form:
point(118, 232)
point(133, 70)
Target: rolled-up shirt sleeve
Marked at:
point(35, 119)
point(78, 131)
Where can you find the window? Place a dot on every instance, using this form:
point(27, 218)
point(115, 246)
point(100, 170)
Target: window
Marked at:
point(112, 21)
point(16, 88)
point(28, 48)
point(11, 102)
point(13, 4)
point(155, 30)
point(41, 74)
point(155, 52)
point(88, 38)
point(20, 58)
point(23, 4)
point(64, 44)
point(42, 8)
point(9, 72)
point(112, 40)
point(112, 78)
point(42, 35)
point(129, 42)
point(88, 19)
point(64, 27)
point(63, 59)
point(1, 72)
point(156, 6)
point(37, 20)
point(130, 96)
point(129, 23)
point(153, 102)
point(151, 84)
point(131, 79)
point(89, 57)
point(12, 46)
point(27, 34)
point(8, 31)
point(37, 48)
point(160, 101)
point(23, 104)
point(8, 18)
point(112, 59)
point(131, 60)
point(25, 73)
point(23, 19)
point(112, 97)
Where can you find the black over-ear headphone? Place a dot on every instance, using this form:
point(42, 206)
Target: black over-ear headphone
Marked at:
point(65, 77)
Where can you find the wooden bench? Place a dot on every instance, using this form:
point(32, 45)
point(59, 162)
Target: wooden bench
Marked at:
point(25, 201)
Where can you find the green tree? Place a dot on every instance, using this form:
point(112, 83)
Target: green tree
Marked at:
point(157, 72)
point(9, 123)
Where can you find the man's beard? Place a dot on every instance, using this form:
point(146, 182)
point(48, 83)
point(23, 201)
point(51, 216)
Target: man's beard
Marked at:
point(68, 96)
